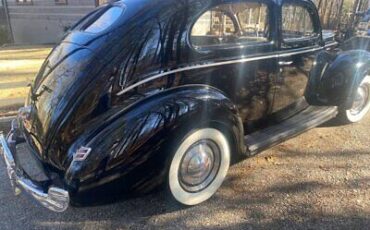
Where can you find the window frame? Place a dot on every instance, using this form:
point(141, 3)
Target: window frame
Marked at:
point(58, 3)
point(316, 24)
point(24, 2)
point(236, 46)
point(98, 3)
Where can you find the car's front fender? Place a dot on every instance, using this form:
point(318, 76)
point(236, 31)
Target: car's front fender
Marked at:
point(335, 80)
point(344, 75)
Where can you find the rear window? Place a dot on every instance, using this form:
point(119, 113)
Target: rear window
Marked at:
point(105, 20)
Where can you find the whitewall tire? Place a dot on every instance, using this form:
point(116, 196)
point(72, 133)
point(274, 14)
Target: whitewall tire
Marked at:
point(199, 166)
point(361, 103)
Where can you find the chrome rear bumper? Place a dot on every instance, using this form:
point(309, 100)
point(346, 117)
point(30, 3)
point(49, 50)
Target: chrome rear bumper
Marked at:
point(53, 198)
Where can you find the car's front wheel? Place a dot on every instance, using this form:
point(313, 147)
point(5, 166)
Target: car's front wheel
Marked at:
point(361, 103)
point(198, 166)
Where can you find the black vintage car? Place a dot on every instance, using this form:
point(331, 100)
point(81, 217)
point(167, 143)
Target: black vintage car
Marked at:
point(147, 93)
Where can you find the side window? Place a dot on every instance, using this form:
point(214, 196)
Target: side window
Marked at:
point(254, 21)
point(297, 23)
point(231, 24)
point(213, 28)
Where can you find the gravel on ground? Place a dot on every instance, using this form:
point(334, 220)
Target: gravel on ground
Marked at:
point(319, 180)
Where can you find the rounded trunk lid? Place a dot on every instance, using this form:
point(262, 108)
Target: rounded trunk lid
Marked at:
point(60, 81)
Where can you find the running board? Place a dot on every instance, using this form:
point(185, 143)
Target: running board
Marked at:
point(309, 118)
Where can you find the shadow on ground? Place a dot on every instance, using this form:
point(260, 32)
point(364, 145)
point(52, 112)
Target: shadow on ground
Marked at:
point(319, 180)
point(236, 206)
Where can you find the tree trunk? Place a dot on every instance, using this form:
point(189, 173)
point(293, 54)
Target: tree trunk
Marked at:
point(329, 15)
point(353, 15)
point(340, 15)
point(319, 5)
point(323, 11)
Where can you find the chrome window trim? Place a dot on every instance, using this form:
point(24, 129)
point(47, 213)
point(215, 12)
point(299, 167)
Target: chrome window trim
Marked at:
point(278, 54)
point(205, 49)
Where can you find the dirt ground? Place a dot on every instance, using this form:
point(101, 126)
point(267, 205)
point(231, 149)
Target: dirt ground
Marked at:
point(319, 180)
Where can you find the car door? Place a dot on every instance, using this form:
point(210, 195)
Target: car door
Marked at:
point(300, 36)
point(239, 39)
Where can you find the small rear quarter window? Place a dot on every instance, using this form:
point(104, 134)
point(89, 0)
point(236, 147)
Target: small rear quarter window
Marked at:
point(106, 20)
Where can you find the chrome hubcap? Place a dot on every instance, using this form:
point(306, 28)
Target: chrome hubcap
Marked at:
point(199, 166)
point(361, 100)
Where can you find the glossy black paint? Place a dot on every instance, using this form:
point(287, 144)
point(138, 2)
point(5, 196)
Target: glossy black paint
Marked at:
point(132, 130)
point(341, 77)
point(295, 70)
point(132, 144)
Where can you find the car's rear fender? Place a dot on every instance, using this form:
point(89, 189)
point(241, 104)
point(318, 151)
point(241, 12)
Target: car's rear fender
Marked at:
point(134, 144)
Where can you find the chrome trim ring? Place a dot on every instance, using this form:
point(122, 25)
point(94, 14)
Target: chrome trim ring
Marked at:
point(199, 166)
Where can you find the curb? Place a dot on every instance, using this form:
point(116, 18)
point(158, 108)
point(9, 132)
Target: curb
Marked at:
point(9, 46)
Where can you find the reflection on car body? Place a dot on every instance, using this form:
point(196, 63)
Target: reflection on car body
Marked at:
point(143, 93)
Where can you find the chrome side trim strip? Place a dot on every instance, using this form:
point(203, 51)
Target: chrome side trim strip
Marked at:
point(331, 44)
point(202, 66)
point(288, 54)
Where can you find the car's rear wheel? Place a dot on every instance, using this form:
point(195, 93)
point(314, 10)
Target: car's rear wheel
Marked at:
point(361, 103)
point(198, 166)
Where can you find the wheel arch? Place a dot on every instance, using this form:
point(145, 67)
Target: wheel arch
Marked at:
point(335, 78)
point(138, 138)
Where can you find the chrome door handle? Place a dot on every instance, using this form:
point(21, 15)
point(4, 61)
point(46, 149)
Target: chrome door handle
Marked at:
point(285, 63)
